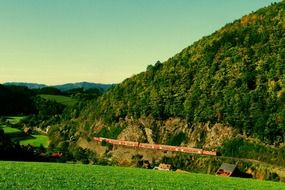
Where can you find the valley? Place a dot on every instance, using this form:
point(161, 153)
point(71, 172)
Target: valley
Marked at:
point(217, 105)
point(23, 138)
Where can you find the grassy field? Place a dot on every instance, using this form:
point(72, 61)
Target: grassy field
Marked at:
point(15, 119)
point(18, 135)
point(10, 130)
point(36, 140)
point(65, 100)
point(21, 175)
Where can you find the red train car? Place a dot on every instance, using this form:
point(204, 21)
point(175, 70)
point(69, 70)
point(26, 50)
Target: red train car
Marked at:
point(212, 153)
point(193, 150)
point(131, 143)
point(157, 146)
point(145, 145)
point(97, 139)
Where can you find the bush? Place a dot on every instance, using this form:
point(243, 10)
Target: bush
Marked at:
point(177, 139)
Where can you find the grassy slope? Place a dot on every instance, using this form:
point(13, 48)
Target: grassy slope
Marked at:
point(20, 175)
point(37, 140)
point(17, 134)
point(15, 119)
point(65, 100)
point(10, 130)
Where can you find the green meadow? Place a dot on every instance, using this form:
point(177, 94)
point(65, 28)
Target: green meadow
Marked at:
point(28, 175)
point(36, 140)
point(18, 135)
point(10, 130)
point(65, 100)
point(15, 119)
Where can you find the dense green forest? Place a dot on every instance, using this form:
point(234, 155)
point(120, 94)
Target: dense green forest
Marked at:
point(20, 100)
point(16, 100)
point(235, 76)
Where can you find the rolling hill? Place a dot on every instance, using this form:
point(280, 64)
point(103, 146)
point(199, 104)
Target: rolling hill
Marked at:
point(25, 84)
point(62, 87)
point(84, 85)
point(226, 85)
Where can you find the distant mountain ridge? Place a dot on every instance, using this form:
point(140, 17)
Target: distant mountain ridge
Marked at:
point(62, 87)
point(26, 84)
point(84, 85)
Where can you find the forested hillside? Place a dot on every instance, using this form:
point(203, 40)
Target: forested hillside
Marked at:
point(225, 92)
point(236, 77)
point(16, 100)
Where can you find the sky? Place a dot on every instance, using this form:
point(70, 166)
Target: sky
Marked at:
point(103, 41)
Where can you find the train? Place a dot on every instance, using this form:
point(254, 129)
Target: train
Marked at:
point(156, 146)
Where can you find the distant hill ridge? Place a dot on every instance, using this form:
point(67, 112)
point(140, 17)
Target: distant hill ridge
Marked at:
point(62, 87)
point(26, 84)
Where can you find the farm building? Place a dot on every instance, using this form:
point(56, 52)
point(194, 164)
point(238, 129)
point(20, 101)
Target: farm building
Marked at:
point(227, 170)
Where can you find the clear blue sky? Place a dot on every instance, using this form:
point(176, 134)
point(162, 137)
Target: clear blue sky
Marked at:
point(59, 41)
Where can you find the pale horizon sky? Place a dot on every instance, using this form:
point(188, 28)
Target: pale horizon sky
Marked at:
point(103, 41)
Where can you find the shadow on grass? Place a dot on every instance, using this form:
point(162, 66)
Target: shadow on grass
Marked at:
point(24, 137)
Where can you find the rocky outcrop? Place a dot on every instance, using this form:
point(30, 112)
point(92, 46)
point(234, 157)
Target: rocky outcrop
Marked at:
point(202, 135)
